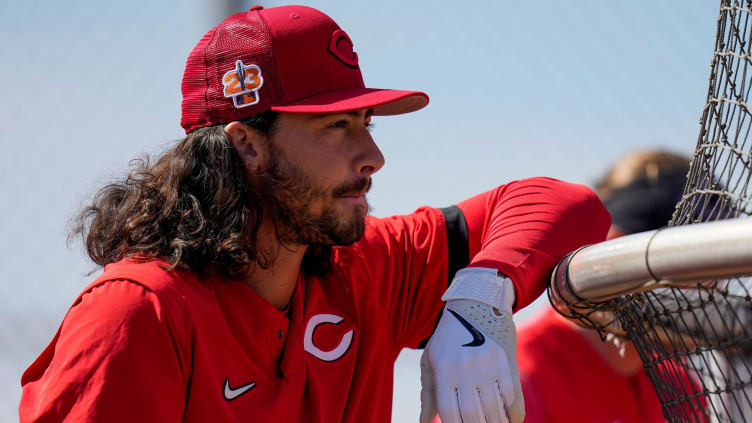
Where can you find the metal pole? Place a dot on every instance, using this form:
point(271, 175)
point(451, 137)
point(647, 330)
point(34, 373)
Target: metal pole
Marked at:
point(667, 257)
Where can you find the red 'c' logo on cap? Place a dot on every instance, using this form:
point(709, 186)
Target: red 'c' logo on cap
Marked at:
point(341, 47)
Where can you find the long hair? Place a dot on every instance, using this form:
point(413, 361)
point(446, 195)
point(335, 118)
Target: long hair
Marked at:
point(193, 207)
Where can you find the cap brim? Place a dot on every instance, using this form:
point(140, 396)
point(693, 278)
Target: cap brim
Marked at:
point(383, 102)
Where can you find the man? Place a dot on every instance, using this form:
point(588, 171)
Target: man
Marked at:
point(590, 380)
point(243, 280)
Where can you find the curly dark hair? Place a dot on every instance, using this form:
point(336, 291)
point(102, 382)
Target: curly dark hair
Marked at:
point(193, 207)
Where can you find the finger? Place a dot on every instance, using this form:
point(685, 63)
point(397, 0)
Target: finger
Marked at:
point(510, 402)
point(505, 382)
point(448, 402)
point(471, 408)
point(427, 390)
point(516, 411)
point(493, 403)
point(508, 386)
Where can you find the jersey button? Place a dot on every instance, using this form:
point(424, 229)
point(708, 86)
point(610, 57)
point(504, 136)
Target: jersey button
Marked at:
point(279, 334)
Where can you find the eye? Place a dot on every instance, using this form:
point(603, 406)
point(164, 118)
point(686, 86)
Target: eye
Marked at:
point(340, 124)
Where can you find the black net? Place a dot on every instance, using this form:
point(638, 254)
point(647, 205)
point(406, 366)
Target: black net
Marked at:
point(696, 341)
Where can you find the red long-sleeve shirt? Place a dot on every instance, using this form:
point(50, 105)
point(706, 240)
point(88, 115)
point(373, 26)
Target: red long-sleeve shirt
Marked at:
point(578, 385)
point(142, 344)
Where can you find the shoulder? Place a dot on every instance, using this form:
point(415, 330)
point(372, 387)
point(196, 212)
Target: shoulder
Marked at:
point(400, 228)
point(168, 286)
point(116, 332)
point(130, 286)
point(129, 290)
point(394, 238)
point(129, 307)
point(392, 246)
point(111, 305)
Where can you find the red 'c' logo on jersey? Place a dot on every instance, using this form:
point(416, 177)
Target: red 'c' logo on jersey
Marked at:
point(334, 353)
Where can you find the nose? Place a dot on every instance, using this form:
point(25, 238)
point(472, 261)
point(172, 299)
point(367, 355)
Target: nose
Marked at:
point(370, 159)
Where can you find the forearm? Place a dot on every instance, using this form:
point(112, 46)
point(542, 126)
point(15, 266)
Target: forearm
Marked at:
point(524, 228)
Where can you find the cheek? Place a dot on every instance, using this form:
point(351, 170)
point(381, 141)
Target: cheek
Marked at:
point(327, 173)
point(324, 166)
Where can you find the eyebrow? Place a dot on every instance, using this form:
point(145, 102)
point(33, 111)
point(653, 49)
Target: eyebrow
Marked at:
point(369, 112)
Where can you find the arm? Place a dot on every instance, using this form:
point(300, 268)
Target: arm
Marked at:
point(524, 228)
point(113, 342)
point(516, 235)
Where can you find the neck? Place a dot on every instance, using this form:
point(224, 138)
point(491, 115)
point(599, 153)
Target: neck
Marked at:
point(276, 283)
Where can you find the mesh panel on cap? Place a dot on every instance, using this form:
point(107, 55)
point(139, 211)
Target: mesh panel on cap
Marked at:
point(242, 37)
point(194, 86)
point(249, 40)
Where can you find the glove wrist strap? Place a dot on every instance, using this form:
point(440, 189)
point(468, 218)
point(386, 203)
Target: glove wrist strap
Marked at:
point(482, 285)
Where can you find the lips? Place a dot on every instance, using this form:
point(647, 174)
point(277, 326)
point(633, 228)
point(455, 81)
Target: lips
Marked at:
point(355, 189)
point(356, 194)
point(357, 202)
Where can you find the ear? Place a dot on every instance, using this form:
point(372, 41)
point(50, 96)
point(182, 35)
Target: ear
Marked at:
point(250, 143)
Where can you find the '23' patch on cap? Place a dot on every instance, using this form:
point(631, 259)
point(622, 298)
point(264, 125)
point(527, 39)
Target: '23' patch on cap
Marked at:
point(242, 84)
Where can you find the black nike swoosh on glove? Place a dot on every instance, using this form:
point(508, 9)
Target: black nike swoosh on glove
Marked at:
point(478, 338)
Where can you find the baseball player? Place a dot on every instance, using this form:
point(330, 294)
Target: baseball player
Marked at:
point(244, 281)
point(590, 380)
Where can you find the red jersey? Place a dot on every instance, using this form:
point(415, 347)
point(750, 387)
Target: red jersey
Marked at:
point(564, 380)
point(143, 344)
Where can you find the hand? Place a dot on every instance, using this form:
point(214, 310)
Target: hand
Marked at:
point(469, 368)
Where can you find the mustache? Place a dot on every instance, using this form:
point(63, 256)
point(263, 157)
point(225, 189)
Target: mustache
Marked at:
point(353, 187)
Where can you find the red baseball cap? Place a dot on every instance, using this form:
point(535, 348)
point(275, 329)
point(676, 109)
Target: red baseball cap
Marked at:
point(287, 59)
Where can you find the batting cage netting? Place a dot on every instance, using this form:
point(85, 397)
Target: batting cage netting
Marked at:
point(696, 340)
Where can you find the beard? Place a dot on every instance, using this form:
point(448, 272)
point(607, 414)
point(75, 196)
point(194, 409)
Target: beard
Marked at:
point(291, 192)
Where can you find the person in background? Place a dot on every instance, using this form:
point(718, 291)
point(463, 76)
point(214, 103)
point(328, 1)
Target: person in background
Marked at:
point(568, 374)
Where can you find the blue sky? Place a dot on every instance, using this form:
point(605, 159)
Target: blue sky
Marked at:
point(518, 89)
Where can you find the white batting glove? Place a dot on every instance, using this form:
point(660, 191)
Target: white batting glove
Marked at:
point(469, 367)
